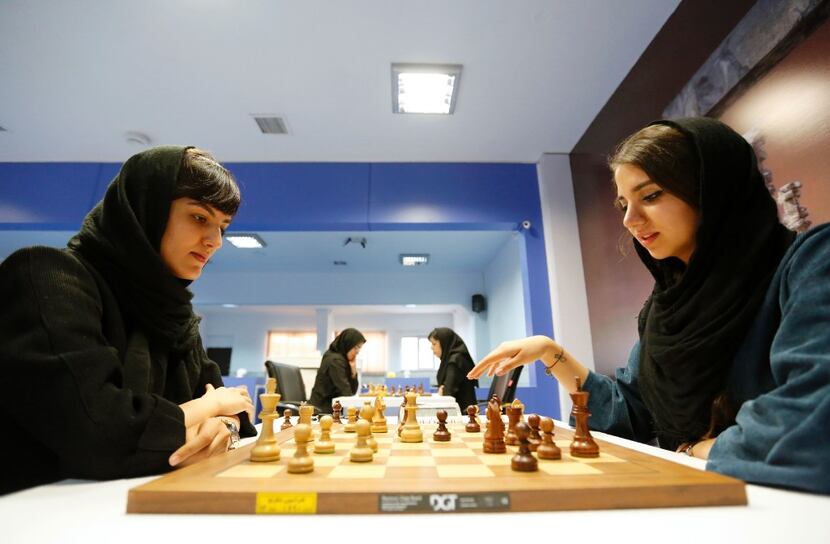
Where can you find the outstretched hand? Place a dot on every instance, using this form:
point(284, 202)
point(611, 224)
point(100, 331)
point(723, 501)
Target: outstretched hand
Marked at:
point(509, 355)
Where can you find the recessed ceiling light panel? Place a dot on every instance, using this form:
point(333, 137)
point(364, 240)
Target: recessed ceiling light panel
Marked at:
point(414, 259)
point(425, 88)
point(245, 241)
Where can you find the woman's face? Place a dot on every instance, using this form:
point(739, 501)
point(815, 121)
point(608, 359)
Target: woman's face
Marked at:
point(661, 222)
point(436, 347)
point(193, 234)
point(352, 354)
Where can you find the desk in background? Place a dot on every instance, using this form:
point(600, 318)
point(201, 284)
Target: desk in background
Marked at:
point(427, 405)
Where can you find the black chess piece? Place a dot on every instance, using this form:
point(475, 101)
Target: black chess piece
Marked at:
point(534, 438)
point(583, 444)
point(548, 448)
point(523, 461)
point(472, 426)
point(442, 434)
point(513, 415)
point(335, 412)
point(287, 423)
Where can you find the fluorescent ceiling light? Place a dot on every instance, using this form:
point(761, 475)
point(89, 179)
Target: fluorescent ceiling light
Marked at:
point(414, 260)
point(245, 241)
point(425, 88)
point(229, 305)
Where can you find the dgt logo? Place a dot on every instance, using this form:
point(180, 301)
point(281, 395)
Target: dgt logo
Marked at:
point(443, 503)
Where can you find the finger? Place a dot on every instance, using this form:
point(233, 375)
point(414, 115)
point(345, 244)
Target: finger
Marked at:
point(510, 364)
point(189, 448)
point(195, 458)
point(220, 442)
point(479, 369)
point(209, 387)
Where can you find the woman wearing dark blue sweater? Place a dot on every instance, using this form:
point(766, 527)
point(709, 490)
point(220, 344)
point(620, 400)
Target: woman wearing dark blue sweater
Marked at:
point(733, 359)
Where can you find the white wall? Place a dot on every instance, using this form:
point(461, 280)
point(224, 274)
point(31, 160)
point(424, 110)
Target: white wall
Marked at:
point(395, 326)
point(342, 288)
point(504, 286)
point(245, 329)
point(571, 326)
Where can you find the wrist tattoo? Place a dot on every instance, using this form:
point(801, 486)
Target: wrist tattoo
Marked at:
point(556, 359)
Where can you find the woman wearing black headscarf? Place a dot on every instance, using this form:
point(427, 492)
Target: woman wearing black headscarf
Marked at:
point(455, 364)
point(337, 376)
point(733, 360)
point(100, 339)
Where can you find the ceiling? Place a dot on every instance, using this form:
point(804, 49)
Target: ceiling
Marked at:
point(456, 251)
point(77, 78)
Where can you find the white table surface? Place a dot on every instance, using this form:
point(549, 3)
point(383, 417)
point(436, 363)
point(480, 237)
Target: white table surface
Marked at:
point(90, 512)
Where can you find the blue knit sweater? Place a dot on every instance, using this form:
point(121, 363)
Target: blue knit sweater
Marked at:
point(781, 375)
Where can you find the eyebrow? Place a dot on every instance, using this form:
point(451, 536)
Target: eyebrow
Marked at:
point(636, 188)
point(209, 210)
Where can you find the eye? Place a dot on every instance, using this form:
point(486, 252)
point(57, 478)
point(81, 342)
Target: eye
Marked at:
point(653, 196)
point(223, 230)
point(199, 218)
point(620, 205)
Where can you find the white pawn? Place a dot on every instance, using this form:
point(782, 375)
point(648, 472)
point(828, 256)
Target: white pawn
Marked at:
point(361, 453)
point(324, 444)
point(302, 461)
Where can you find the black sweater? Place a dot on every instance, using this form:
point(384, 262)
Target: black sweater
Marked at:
point(63, 345)
point(334, 379)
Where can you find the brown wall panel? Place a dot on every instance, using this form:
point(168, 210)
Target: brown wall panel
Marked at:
point(790, 106)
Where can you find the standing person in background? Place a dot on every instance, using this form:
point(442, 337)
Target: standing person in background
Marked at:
point(100, 339)
point(337, 376)
point(455, 364)
point(733, 359)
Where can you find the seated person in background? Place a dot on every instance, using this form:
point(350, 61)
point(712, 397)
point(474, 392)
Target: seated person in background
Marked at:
point(337, 376)
point(100, 341)
point(733, 359)
point(455, 364)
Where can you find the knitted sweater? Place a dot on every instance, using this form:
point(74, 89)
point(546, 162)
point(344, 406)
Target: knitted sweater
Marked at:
point(780, 377)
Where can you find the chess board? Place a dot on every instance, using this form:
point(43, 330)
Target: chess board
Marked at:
point(454, 476)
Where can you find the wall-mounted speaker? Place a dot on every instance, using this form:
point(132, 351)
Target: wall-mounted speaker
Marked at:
point(479, 303)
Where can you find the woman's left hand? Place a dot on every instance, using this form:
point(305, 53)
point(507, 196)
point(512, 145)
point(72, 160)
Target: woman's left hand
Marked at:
point(210, 438)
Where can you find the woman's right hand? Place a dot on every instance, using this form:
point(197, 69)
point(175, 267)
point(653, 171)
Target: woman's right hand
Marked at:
point(509, 355)
point(229, 401)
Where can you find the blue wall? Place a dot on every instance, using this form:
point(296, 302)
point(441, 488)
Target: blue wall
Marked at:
point(330, 196)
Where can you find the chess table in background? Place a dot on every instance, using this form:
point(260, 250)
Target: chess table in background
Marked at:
point(454, 476)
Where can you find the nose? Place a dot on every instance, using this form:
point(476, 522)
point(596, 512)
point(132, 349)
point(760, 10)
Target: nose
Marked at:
point(213, 239)
point(633, 217)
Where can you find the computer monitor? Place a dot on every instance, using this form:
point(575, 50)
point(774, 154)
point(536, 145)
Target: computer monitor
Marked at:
point(222, 357)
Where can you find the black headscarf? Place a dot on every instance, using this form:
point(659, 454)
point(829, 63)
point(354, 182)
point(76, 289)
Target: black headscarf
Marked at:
point(121, 238)
point(345, 341)
point(694, 321)
point(453, 351)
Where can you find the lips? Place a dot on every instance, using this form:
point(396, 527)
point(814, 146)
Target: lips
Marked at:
point(199, 257)
point(647, 239)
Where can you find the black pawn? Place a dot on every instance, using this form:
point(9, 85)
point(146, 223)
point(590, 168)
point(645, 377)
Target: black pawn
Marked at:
point(287, 423)
point(335, 412)
point(548, 448)
point(442, 434)
point(523, 461)
point(534, 438)
point(472, 426)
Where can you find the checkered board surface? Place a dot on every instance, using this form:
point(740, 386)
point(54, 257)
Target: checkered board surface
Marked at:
point(407, 477)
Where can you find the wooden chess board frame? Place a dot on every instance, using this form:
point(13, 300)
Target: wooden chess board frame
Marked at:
point(431, 477)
